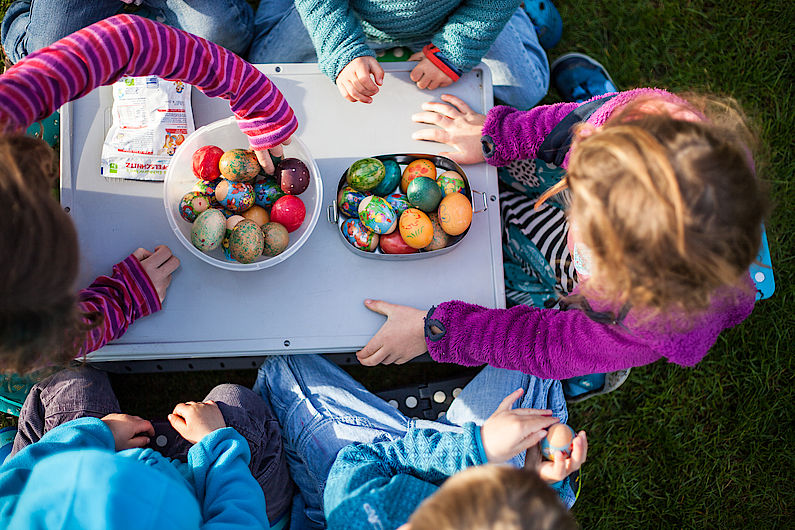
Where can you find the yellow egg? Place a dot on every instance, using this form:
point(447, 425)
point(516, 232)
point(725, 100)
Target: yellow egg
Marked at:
point(416, 228)
point(418, 168)
point(455, 214)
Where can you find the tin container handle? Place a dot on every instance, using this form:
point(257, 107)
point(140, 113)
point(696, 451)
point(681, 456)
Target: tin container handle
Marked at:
point(485, 201)
point(331, 212)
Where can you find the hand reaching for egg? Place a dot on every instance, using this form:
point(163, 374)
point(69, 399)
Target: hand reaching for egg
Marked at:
point(400, 339)
point(158, 265)
point(264, 156)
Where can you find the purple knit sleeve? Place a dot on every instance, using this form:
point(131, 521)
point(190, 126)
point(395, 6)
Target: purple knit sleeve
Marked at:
point(517, 134)
point(547, 343)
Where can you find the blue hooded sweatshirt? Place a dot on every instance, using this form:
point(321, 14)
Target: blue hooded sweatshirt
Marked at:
point(73, 478)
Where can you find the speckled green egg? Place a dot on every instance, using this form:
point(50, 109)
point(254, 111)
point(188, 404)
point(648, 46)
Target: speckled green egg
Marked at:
point(276, 239)
point(246, 241)
point(239, 165)
point(440, 237)
point(424, 193)
point(391, 179)
point(208, 230)
point(365, 174)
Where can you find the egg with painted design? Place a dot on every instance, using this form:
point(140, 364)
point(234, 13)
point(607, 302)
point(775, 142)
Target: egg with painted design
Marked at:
point(440, 237)
point(239, 165)
point(416, 228)
point(376, 215)
point(191, 205)
point(231, 221)
point(455, 214)
point(235, 196)
point(391, 178)
point(348, 200)
point(246, 241)
point(266, 192)
point(359, 236)
point(424, 193)
point(399, 202)
point(276, 239)
point(417, 168)
point(451, 182)
point(365, 174)
point(208, 230)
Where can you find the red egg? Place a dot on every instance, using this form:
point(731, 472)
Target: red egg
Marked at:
point(205, 162)
point(288, 211)
point(292, 176)
point(393, 244)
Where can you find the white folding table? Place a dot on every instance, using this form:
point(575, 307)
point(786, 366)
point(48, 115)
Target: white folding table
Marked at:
point(312, 302)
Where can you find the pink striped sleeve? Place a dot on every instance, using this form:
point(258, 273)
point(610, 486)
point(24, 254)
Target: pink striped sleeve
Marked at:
point(129, 45)
point(122, 298)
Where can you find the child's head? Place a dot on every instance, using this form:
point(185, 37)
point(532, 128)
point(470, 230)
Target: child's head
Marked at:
point(39, 317)
point(668, 203)
point(493, 497)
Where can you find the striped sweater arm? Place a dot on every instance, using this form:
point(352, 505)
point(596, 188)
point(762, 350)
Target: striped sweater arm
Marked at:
point(129, 45)
point(122, 298)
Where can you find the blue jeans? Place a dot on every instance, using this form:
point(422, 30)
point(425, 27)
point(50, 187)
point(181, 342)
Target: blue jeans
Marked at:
point(518, 63)
point(33, 24)
point(322, 409)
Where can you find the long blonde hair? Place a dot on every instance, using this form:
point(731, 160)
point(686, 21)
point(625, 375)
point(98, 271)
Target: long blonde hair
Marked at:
point(669, 205)
point(493, 497)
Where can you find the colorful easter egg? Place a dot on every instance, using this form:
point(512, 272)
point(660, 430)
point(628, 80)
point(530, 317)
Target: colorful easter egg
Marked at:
point(560, 437)
point(205, 162)
point(424, 193)
point(455, 214)
point(258, 214)
point(266, 192)
point(235, 196)
point(288, 211)
point(191, 205)
point(399, 202)
point(391, 179)
point(451, 182)
point(393, 244)
point(246, 242)
point(359, 236)
point(365, 174)
point(440, 237)
point(348, 200)
point(376, 214)
point(239, 165)
point(276, 239)
point(418, 168)
point(416, 228)
point(292, 176)
point(231, 222)
point(207, 188)
point(208, 230)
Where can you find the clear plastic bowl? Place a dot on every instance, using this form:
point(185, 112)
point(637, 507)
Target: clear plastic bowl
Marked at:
point(180, 180)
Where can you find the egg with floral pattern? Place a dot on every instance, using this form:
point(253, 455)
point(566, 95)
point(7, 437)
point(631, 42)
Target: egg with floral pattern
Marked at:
point(376, 215)
point(235, 196)
point(417, 168)
point(191, 205)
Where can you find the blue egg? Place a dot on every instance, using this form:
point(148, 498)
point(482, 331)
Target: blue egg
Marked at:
point(391, 179)
point(348, 200)
point(359, 236)
point(399, 202)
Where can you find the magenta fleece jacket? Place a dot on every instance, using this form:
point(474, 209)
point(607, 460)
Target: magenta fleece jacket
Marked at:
point(557, 344)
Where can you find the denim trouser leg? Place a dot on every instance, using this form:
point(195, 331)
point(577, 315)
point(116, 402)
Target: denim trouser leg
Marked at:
point(33, 24)
point(322, 409)
point(518, 63)
point(280, 35)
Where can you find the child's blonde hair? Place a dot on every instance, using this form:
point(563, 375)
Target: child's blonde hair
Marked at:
point(40, 322)
point(666, 197)
point(493, 497)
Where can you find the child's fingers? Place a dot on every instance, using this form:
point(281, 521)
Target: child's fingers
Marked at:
point(377, 357)
point(171, 264)
point(138, 441)
point(159, 256)
point(431, 118)
point(264, 159)
point(457, 103)
point(559, 465)
point(141, 254)
point(365, 86)
point(378, 73)
point(441, 108)
point(431, 135)
point(531, 440)
point(142, 426)
point(178, 422)
point(509, 400)
point(416, 73)
point(579, 451)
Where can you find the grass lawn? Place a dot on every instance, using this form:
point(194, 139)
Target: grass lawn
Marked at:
point(674, 447)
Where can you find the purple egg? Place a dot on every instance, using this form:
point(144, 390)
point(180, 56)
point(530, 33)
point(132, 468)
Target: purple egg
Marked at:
point(292, 176)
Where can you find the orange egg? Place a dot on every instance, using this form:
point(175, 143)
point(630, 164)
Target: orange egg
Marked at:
point(416, 228)
point(455, 214)
point(258, 214)
point(418, 168)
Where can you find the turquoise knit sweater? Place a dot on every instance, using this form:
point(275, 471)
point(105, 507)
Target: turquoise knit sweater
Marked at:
point(462, 30)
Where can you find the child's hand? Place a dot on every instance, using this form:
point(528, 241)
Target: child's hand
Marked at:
point(459, 127)
point(428, 75)
point(561, 467)
point(158, 266)
point(400, 339)
point(264, 156)
point(360, 79)
point(193, 421)
point(508, 431)
point(129, 431)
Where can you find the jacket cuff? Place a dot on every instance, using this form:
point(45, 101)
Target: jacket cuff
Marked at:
point(491, 141)
point(332, 66)
point(477, 435)
point(441, 62)
point(141, 288)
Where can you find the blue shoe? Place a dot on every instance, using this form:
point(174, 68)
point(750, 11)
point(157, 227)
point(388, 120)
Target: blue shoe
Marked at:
point(578, 78)
point(546, 20)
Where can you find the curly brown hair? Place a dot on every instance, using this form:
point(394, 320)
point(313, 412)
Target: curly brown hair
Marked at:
point(40, 322)
point(667, 198)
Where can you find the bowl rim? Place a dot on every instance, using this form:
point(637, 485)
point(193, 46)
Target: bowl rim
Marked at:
point(267, 262)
